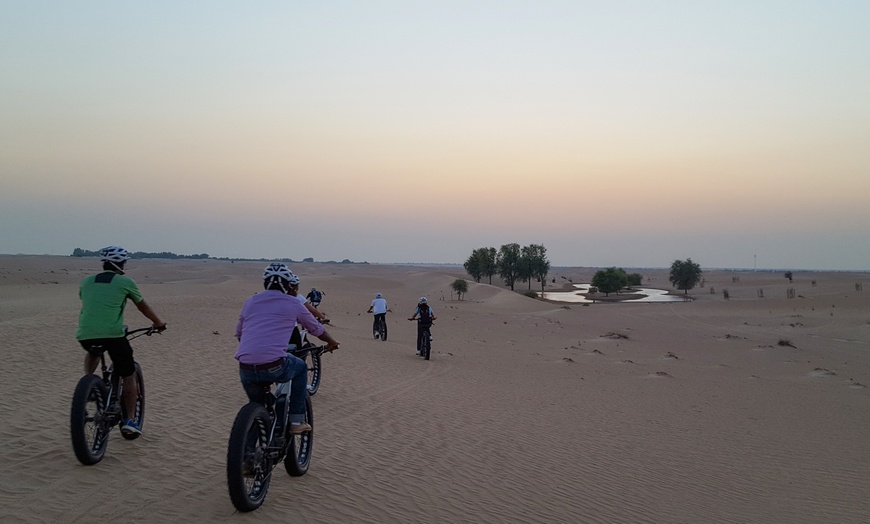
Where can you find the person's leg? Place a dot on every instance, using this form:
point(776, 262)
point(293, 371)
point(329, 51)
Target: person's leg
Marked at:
point(296, 338)
point(124, 366)
point(296, 371)
point(419, 338)
point(91, 358)
point(91, 362)
point(254, 387)
point(131, 394)
point(375, 326)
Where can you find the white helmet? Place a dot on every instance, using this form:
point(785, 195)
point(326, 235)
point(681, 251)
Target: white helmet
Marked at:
point(378, 295)
point(280, 274)
point(423, 300)
point(114, 254)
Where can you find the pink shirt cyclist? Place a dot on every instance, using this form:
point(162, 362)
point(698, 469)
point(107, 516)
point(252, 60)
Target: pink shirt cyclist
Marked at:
point(264, 329)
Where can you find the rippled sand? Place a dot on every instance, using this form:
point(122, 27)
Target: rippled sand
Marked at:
point(743, 410)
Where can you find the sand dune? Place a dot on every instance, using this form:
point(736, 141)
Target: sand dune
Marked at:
point(752, 409)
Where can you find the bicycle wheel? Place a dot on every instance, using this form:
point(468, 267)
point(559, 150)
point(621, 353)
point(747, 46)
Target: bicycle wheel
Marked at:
point(382, 328)
point(427, 345)
point(299, 449)
point(139, 417)
point(315, 371)
point(87, 424)
point(249, 470)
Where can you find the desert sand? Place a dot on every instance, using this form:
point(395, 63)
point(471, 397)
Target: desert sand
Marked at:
point(751, 409)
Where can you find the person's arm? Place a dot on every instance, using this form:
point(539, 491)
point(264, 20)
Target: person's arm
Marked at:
point(331, 343)
point(316, 312)
point(370, 308)
point(316, 328)
point(432, 314)
point(414, 316)
point(149, 313)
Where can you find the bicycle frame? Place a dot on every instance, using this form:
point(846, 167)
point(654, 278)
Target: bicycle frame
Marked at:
point(98, 406)
point(115, 395)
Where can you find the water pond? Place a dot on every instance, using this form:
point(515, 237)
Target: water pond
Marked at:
point(576, 296)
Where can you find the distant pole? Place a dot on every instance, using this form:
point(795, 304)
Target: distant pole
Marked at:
point(755, 262)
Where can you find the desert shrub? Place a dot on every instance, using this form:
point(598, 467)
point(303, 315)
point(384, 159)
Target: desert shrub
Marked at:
point(459, 286)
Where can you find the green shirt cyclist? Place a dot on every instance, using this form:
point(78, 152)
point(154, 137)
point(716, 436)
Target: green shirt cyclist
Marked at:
point(101, 324)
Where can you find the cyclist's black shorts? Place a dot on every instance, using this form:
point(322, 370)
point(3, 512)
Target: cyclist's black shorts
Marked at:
point(119, 351)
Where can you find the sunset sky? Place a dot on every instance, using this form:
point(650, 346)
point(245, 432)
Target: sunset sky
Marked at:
point(615, 133)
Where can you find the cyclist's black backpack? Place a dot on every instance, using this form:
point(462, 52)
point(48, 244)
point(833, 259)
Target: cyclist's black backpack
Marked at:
point(425, 316)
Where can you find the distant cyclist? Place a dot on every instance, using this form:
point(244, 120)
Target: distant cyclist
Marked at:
point(265, 326)
point(101, 324)
point(379, 308)
point(315, 296)
point(424, 317)
point(319, 315)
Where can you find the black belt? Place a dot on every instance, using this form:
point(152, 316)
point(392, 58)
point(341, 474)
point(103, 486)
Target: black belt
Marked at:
point(261, 367)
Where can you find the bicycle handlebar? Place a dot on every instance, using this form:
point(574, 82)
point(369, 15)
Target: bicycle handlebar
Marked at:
point(148, 331)
point(310, 349)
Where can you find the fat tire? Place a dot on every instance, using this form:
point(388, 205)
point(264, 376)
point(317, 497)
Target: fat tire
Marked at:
point(89, 436)
point(249, 471)
point(315, 371)
point(299, 447)
point(140, 405)
point(382, 329)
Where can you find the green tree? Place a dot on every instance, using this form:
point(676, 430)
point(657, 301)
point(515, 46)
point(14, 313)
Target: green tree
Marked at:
point(685, 274)
point(460, 286)
point(610, 280)
point(508, 263)
point(488, 262)
point(482, 263)
point(474, 265)
point(540, 266)
point(525, 264)
point(789, 275)
point(634, 279)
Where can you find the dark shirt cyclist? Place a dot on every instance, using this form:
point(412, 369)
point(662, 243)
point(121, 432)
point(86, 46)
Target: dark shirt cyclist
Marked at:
point(426, 316)
point(315, 296)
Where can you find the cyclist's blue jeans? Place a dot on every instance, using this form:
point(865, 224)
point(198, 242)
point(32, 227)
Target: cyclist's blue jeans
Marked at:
point(293, 369)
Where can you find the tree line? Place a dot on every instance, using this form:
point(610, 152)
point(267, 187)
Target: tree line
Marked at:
point(79, 252)
point(511, 262)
